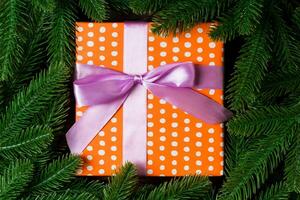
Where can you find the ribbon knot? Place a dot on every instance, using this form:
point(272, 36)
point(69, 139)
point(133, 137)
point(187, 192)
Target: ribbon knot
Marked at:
point(138, 79)
point(105, 90)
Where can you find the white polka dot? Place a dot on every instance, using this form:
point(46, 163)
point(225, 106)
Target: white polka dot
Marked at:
point(90, 34)
point(175, 58)
point(222, 153)
point(114, 25)
point(101, 133)
point(114, 53)
point(174, 162)
point(162, 120)
point(150, 162)
point(90, 54)
point(174, 107)
point(150, 143)
point(221, 144)
point(102, 29)
point(187, 44)
point(163, 62)
point(211, 140)
point(186, 158)
point(211, 63)
point(90, 62)
point(162, 138)
point(114, 34)
point(101, 162)
point(187, 129)
point(79, 113)
point(150, 134)
point(101, 39)
point(150, 67)
point(199, 125)
point(114, 63)
point(79, 171)
point(211, 149)
point(211, 91)
point(101, 171)
point(113, 157)
point(199, 59)
point(198, 162)
point(222, 163)
point(199, 134)
point(162, 167)
point(80, 48)
point(150, 115)
point(79, 38)
point(151, 48)
point(150, 124)
point(174, 171)
point(113, 138)
point(162, 158)
point(90, 168)
point(198, 153)
point(174, 134)
point(150, 96)
point(151, 38)
point(212, 45)
point(186, 120)
point(161, 148)
point(174, 115)
point(222, 134)
point(174, 153)
point(163, 44)
point(199, 39)
point(102, 143)
point(174, 124)
point(89, 157)
point(188, 35)
point(90, 148)
point(210, 158)
point(187, 54)
point(90, 25)
point(113, 167)
point(113, 148)
point(150, 152)
point(186, 139)
point(101, 152)
point(114, 44)
point(102, 58)
point(221, 172)
point(150, 58)
point(211, 168)
point(175, 49)
point(149, 171)
point(199, 50)
point(198, 171)
point(211, 130)
point(186, 167)
point(198, 144)
point(200, 30)
point(162, 130)
point(212, 55)
point(80, 29)
point(186, 149)
point(162, 111)
point(174, 144)
point(113, 129)
point(79, 57)
point(102, 48)
point(175, 39)
point(113, 120)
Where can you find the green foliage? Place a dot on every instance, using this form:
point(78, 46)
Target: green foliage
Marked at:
point(122, 186)
point(94, 9)
point(66, 195)
point(275, 192)
point(147, 6)
point(31, 141)
point(193, 187)
point(43, 5)
point(15, 178)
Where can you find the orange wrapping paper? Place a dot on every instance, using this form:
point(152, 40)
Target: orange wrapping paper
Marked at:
point(177, 143)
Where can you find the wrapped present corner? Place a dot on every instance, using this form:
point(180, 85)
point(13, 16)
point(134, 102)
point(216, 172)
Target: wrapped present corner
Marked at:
point(151, 100)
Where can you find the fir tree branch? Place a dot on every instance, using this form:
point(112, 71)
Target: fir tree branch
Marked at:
point(147, 6)
point(12, 14)
point(292, 164)
point(55, 175)
point(43, 5)
point(250, 69)
point(94, 9)
point(190, 187)
point(61, 36)
point(255, 166)
point(15, 178)
point(83, 185)
point(277, 191)
point(264, 121)
point(27, 143)
point(122, 185)
point(65, 195)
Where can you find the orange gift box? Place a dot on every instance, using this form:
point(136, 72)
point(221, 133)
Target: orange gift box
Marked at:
point(178, 144)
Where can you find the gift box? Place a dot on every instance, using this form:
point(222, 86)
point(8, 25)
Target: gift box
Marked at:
point(161, 138)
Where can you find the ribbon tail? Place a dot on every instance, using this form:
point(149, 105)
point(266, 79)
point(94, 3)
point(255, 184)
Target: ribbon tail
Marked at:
point(88, 126)
point(192, 102)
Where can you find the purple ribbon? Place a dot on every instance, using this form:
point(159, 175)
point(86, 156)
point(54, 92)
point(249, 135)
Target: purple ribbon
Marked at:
point(105, 90)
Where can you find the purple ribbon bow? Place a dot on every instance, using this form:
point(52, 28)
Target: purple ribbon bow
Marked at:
point(105, 90)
